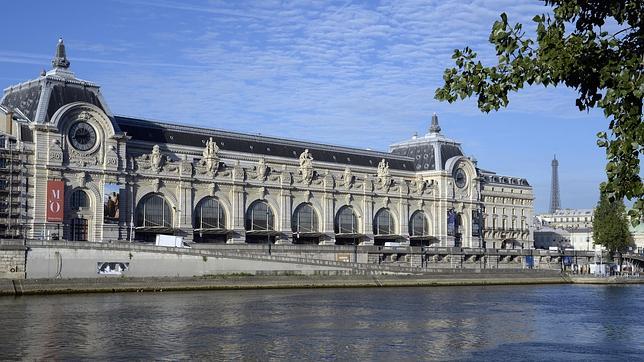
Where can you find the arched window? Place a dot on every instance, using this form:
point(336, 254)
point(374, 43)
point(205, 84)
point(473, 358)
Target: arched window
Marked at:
point(304, 219)
point(79, 199)
point(383, 223)
point(259, 217)
point(209, 214)
point(418, 225)
point(346, 221)
point(154, 211)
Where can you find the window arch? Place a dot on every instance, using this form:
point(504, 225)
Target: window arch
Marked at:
point(260, 217)
point(79, 199)
point(304, 219)
point(209, 214)
point(346, 221)
point(154, 211)
point(384, 223)
point(418, 224)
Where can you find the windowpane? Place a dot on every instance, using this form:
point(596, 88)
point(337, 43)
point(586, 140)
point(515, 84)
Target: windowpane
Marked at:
point(384, 223)
point(154, 211)
point(210, 215)
point(305, 220)
point(79, 199)
point(347, 222)
point(259, 217)
point(419, 225)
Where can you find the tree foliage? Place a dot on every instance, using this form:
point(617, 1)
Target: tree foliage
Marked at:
point(572, 49)
point(610, 225)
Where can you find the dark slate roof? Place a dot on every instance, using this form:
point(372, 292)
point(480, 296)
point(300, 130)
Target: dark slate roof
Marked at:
point(493, 178)
point(24, 98)
point(423, 155)
point(66, 94)
point(448, 151)
point(157, 132)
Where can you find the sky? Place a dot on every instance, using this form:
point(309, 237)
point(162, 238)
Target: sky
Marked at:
point(351, 73)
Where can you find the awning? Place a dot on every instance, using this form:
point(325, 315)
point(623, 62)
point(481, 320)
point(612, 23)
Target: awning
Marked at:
point(349, 235)
point(387, 237)
point(308, 234)
point(263, 232)
point(423, 238)
point(213, 231)
point(155, 229)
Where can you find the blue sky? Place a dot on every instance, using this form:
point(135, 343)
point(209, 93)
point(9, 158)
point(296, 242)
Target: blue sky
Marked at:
point(359, 74)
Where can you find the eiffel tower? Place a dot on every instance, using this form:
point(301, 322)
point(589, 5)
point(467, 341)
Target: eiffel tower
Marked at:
point(555, 201)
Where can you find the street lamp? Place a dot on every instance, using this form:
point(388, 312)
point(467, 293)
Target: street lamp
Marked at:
point(268, 234)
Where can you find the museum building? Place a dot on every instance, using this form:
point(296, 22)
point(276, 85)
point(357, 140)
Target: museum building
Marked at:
point(70, 168)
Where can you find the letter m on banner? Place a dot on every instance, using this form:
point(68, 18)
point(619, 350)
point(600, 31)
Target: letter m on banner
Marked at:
point(55, 200)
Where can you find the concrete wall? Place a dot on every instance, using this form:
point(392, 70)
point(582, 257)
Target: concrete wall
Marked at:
point(55, 262)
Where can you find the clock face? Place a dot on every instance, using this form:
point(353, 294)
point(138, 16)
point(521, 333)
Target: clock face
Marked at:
point(460, 178)
point(82, 136)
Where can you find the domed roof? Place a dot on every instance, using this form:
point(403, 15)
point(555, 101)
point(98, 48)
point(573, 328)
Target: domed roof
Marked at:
point(431, 151)
point(38, 99)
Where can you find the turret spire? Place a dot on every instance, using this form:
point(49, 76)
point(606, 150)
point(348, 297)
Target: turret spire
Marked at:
point(434, 128)
point(60, 60)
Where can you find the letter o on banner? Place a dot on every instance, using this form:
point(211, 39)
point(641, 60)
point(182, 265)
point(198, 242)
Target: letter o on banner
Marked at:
point(13, 270)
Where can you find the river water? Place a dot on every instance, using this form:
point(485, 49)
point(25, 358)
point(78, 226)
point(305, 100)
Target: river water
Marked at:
point(557, 322)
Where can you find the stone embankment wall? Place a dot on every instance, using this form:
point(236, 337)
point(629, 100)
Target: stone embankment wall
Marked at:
point(328, 279)
point(62, 259)
point(12, 258)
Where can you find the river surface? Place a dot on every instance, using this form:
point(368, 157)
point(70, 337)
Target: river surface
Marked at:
point(558, 322)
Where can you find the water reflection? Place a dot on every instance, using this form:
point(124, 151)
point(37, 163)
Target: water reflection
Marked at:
point(555, 322)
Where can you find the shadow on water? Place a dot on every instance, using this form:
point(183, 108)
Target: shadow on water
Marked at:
point(519, 322)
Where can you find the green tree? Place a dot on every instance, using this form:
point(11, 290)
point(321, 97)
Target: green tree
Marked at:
point(610, 225)
point(572, 49)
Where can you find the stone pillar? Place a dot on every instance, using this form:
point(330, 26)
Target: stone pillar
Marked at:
point(186, 205)
point(328, 218)
point(367, 220)
point(285, 211)
point(238, 207)
point(403, 218)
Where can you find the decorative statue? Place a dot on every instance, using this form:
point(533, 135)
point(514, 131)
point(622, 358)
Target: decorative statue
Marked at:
point(210, 157)
point(261, 168)
point(383, 169)
point(347, 177)
point(306, 166)
point(305, 159)
point(420, 184)
point(156, 158)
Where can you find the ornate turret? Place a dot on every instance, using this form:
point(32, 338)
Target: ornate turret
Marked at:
point(434, 128)
point(38, 99)
point(60, 60)
point(431, 151)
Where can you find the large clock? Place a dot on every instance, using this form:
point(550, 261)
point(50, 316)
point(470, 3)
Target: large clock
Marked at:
point(460, 178)
point(82, 136)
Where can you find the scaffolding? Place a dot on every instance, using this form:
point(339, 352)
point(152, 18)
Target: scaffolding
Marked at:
point(13, 188)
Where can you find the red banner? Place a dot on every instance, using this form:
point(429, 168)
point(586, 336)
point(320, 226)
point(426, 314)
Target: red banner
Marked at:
point(55, 200)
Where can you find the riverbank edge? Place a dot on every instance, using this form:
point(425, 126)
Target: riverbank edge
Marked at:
point(16, 287)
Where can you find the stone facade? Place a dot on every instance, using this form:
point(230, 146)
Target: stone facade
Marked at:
point(213, 186)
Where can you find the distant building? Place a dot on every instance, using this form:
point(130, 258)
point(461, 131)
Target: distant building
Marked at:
point(566, 228)
point(568, 218)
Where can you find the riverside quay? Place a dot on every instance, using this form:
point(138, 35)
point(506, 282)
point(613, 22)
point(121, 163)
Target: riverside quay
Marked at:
point(72, 170)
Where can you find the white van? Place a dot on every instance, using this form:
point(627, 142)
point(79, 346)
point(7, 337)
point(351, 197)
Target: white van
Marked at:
point(170, 241)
